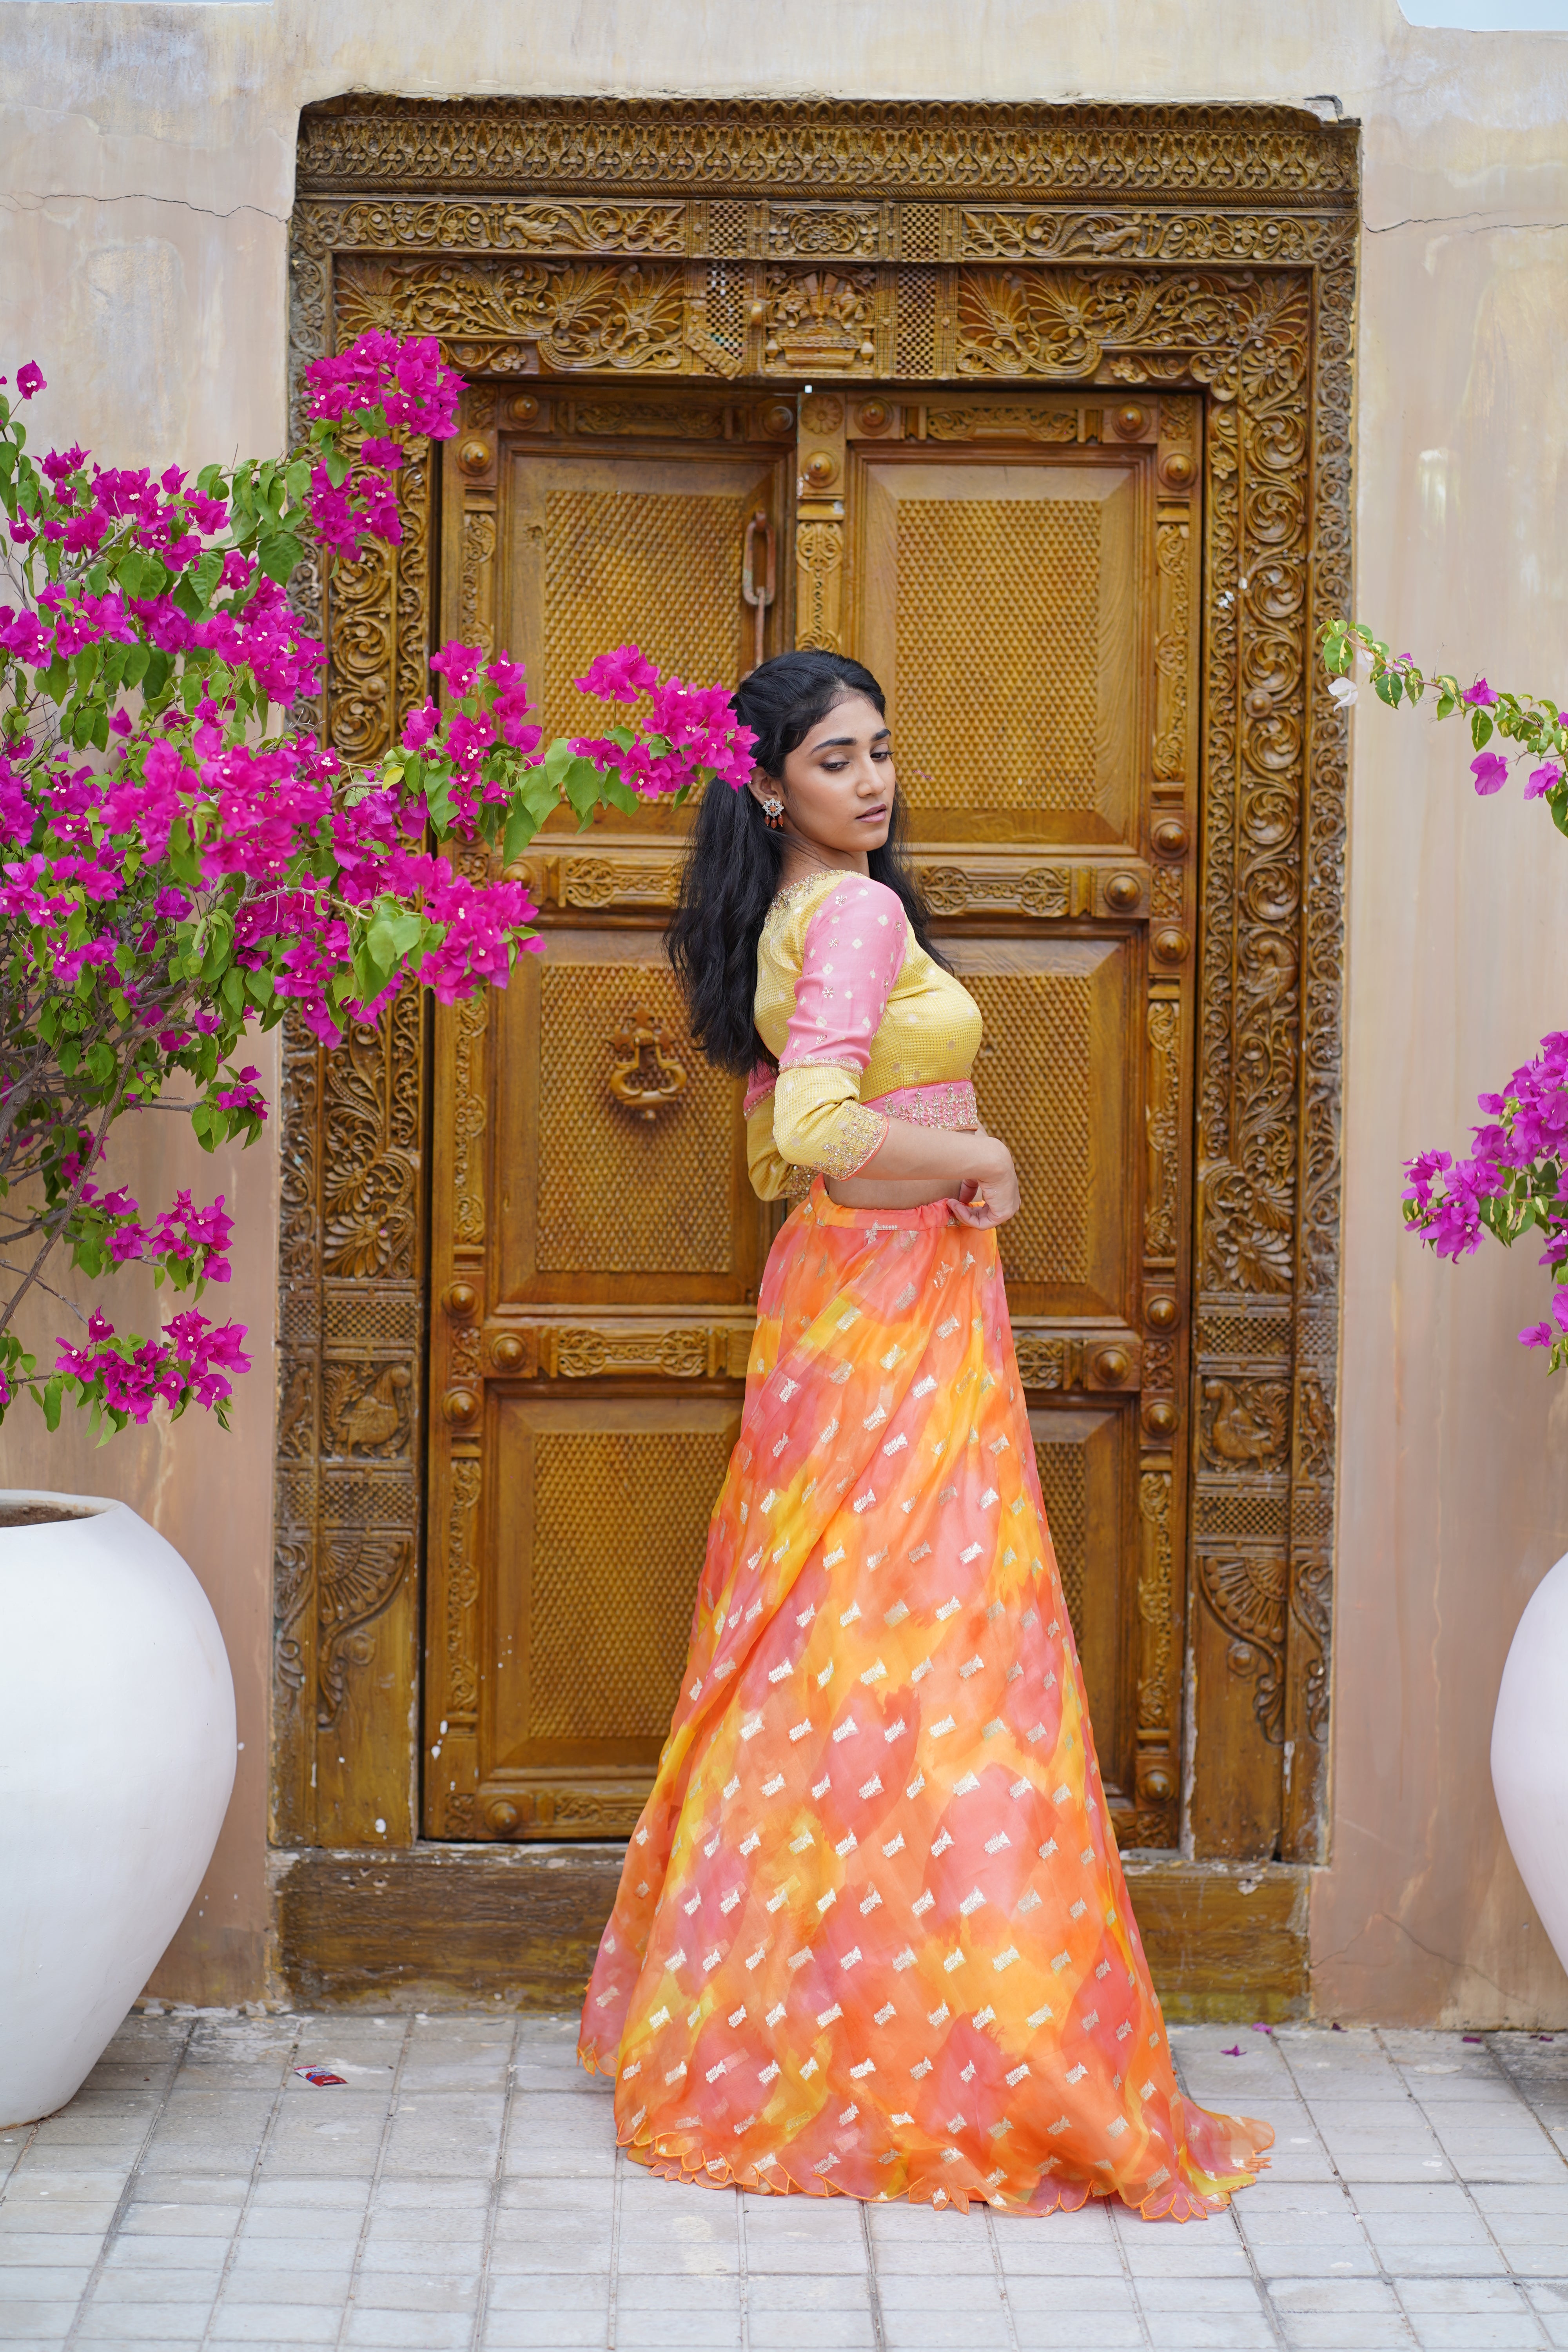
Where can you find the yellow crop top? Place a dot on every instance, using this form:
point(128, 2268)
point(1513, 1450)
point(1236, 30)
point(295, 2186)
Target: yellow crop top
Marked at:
point(865, 1028)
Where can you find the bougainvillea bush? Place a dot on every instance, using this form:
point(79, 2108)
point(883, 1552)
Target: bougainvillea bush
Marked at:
point(1514, 1181)
point(179, 860)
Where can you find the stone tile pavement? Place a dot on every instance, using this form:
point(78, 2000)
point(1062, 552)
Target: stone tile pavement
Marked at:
point(462, 2189)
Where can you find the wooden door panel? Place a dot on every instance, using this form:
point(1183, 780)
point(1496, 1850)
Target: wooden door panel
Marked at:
point(596, 1522)
point(1000, 610)
point(1056, 1073)
point(602, 1201)
point(630, 549)
point(1087, 1463)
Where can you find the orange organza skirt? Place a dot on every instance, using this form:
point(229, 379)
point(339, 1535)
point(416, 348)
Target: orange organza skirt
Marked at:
point(872, 1936)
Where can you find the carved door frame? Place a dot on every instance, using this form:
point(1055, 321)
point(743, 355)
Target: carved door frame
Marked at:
point(1202, 248)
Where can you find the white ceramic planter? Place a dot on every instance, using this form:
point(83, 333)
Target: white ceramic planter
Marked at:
point(116, 1755)
point(1530, 1757)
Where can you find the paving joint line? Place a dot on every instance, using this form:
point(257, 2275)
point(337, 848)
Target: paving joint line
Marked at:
point(1144, 2332)
point(1001, 2277)
point(612, 2317)
point(873, 2284)
point(123, 2205)
point(31, 2134)
point(253, 2183)
point(387, 2121)
point(492, 2209)
point(745, 2275)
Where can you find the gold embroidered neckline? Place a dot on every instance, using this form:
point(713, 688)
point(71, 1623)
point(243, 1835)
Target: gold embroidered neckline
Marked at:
point(792, 890)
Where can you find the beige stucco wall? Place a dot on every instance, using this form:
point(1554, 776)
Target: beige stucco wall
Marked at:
point(146, 155)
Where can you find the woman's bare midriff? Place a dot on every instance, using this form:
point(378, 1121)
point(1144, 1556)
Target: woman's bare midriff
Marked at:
point(852, 1192)
point(866, 1192)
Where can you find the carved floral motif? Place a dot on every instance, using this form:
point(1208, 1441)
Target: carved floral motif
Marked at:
point(568, 314)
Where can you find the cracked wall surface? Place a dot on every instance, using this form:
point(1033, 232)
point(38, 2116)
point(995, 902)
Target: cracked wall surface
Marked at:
point(146, 176)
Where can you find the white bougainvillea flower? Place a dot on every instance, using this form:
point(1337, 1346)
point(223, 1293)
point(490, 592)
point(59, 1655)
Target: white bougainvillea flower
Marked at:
point(1344, 690)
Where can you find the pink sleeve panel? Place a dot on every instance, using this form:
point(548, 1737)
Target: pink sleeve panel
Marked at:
point(853, 952)
point(759, 1085)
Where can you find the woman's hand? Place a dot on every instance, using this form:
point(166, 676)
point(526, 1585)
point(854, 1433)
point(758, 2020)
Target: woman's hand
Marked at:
point(990, 1200)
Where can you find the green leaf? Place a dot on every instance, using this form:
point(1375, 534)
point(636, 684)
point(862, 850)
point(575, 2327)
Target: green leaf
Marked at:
point(209, 571)
point(279, 555)
point(517, 832)
point(584, 789)
point(380, 943)
point(438, 797)
point(1480, 729)
point(540, 798)
point(556, 760)
point(1389, 687)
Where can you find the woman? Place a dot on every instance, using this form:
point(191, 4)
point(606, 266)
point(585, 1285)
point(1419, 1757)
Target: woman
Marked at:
point(872, 1935)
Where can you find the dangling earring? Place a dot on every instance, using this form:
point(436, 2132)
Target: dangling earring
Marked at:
point(772, 815)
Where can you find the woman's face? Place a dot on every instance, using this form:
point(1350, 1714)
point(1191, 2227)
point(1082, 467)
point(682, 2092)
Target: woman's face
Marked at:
point(839, 783)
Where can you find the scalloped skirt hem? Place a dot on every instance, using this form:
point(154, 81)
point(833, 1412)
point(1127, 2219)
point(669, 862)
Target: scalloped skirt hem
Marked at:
point(1175, 2201)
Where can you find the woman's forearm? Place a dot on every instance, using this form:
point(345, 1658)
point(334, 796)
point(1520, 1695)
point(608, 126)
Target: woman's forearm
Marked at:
point(935, 1155)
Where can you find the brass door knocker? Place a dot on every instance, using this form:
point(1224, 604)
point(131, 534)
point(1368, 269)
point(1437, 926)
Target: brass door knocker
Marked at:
point(645, 1073)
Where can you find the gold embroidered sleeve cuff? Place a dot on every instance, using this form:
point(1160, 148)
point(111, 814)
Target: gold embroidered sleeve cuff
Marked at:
point(819, 1121)
point(858, 1135)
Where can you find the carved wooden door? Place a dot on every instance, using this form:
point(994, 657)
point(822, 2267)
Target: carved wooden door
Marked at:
point(1021, 572)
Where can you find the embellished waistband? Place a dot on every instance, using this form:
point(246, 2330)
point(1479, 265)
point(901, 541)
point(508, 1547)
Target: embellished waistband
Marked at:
point(948, 1103)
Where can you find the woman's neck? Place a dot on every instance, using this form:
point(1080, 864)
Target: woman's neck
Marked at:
point(803, 859)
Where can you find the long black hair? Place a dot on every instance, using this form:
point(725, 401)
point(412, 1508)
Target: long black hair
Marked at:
point(730, 877)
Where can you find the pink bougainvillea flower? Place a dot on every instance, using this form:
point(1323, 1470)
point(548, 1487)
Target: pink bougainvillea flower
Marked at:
point(1479, 696)
point(1541, 781)
point(30, 379)
point(419, 726)
point(620, 676)
point(1490, 772)
point(459, 665)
